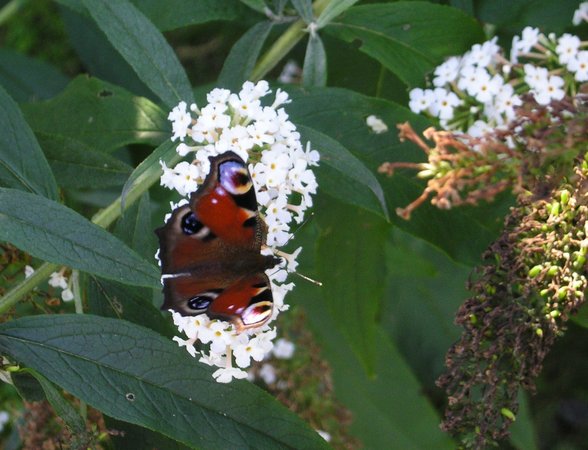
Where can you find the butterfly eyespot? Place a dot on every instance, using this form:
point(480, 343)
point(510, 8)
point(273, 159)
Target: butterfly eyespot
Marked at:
point(235, 178)
point(257, 313)
point(199, 302)
point(190, 224)
point(202, 301)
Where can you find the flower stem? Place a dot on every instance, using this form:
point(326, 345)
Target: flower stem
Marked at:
point(284, 44)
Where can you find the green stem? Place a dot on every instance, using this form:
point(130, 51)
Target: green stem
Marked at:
point(26, 285)
point(75, 281)
point(10, 9)
point(103, 218)
point(284, 44)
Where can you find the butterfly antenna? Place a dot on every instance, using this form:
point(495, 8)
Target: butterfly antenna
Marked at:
point(304, 277)
point(299, 227)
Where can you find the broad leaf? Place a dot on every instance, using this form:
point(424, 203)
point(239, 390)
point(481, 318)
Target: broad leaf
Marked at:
point(76, 165)
point(463, 233)
point(314, 72)
point(135, 375)
point(408, 38)
point(22, 163)
point(134, 228)
point(143, 47)
point(172, 14)
point(344, 176)
point(27, 79)
point(99, 114)
point(52, 232)
point(390, 410)
point(243, 56)
point(354, 285)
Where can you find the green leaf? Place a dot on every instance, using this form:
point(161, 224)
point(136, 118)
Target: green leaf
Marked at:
point(143, 47)
point(55, 233)
point(116, 300)
point(99, 58)
point(408, 38)
point(27, 79)
point(60, 405)
point(76, 165)
point(135, 375)
point(390, 410)
point(241, 60)
point(257, 5)
point(133, 436)
point(348, 179)
point(134, 228)
point(172, 14)
point(150, 169)
point(353, 287)
point(22, 163)
point(304, 9)
point(27, 386)
point(99, 114)
point(314, 72)
point(332, 10)
point(463, 233)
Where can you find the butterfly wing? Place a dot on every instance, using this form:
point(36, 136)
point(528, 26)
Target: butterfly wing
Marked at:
point(210, 248)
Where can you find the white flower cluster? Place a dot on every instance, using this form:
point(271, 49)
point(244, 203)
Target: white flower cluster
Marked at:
point(481, 89)
point(581, 14)
point(57, 280)
point(281, 169)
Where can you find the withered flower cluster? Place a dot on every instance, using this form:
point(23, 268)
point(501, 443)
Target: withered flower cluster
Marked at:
point(534, 275)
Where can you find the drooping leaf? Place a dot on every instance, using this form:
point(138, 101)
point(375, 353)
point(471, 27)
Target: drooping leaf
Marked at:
point(344, 176)
point(50, 231)
point(22, 163)
point(408, 38)
point(314, 72)
point(99, 114)
point(353, 286)
point(76, 165)
point(243, 55)
point(60, 405)
point(143, 47)
point(135, 375)
point(28, 79)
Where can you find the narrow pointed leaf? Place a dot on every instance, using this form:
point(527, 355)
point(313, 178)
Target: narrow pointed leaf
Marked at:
point(60, 405)
point(364, 190)
point(143, 47)
point(135, 375)
point(22, 163)
point(50, 231)
point(150, 169)
point(314, 72)
point(332, 10)
point(304, 9)
point(243, 56)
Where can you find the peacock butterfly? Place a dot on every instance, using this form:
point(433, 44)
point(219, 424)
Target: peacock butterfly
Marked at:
point(210, 250)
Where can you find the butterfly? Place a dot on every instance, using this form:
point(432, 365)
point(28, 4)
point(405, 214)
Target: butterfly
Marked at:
point(210, 250)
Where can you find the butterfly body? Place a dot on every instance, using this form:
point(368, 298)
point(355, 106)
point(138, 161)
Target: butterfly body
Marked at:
point(210, 250)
